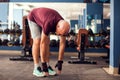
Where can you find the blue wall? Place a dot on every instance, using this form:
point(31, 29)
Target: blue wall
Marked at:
point(94, 8)
point(17, 16)
point(3, 12)
point(106, 23)
point(73, 22)
point(115, 33)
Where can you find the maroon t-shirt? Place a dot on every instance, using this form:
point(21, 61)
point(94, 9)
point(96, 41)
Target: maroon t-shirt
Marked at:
point(45, 18)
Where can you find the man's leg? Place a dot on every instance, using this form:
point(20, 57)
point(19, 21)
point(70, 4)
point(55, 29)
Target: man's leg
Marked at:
point(36, 50)
point(35, 33)
point(50, 70)
point(43, 52)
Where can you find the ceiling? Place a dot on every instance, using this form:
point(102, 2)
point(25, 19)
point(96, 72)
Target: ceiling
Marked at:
point(67, 10)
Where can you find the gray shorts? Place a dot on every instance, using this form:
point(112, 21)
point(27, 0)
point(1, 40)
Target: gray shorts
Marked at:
point(35, 29)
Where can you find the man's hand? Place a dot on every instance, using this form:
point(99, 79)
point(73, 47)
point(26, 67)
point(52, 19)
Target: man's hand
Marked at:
point(59, 66)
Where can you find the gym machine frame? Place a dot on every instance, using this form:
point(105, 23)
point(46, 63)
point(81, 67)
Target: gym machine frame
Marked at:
point(26, 42)
point(82, 40)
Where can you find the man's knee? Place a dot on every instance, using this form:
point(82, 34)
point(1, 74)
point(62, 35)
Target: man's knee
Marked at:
point(36, 41)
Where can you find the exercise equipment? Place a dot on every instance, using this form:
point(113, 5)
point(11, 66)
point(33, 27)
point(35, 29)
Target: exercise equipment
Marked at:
point(1, 31)
point(0, 42)
point(72, 33)
point(17, 42)
point(82, 40)
point(14, 43)
point(108, 53)
point(53, 43)
point(12, 31)
point(26, 52)
point(5, 42)
point(103, 32)
point(105, 43)
point(71, 39)
point(6, 31)
point(90, 32)
point(18, 31)
point(10, 43)
point(71, 43)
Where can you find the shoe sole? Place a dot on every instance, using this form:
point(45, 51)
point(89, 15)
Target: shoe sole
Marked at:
point(53, 74)
point(39, 76)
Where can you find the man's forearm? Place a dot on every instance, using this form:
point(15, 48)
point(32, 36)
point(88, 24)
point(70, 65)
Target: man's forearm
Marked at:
point(61, 48)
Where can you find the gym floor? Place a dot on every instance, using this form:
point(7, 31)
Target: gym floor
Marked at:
point(22, 70)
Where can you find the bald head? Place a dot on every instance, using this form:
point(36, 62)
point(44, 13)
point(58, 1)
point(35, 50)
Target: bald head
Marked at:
point(63, 27)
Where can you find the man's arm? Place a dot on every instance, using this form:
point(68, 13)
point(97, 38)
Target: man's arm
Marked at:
point(62, 47)
point(61, 53)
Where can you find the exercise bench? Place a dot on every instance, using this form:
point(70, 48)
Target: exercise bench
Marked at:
point(82, 42)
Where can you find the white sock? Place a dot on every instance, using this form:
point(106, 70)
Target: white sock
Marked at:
point(36, 66)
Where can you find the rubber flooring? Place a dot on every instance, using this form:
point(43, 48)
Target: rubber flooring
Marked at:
point(22, 70)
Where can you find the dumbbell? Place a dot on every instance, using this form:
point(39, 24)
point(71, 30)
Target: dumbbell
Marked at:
point(71, 43)
point(18, 31)
point(17, 42)
point(53, 43)
point(0, 42)
point(1, 31)
point(10, 43)
point(6, 31)
point(4, 42)
point(12, 31)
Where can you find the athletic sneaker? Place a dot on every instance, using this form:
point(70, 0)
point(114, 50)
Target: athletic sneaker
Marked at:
point(38, 72)
point(51, 71)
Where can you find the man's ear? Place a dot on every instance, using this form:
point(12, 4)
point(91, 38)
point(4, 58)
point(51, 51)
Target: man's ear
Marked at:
point(57, 28)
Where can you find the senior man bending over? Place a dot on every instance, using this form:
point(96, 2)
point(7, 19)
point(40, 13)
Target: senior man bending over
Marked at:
point(42, 21)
